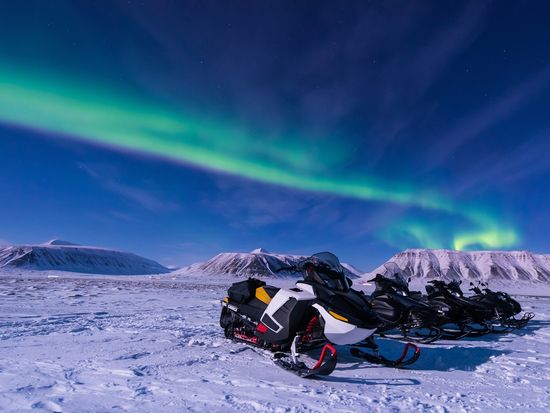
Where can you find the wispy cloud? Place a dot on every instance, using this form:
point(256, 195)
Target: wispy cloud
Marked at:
point(500, 171)
point(346, 70)
point(394, 72)
point(469, 128)
point(147, 199)
point(121, 215)
point(249, 204)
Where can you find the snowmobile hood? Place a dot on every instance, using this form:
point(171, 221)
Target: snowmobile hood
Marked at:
point(411, 303)
point(351, 304)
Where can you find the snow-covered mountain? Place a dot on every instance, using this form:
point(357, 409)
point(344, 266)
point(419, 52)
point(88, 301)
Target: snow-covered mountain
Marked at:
point(352, 269)
point(258, 263)
point(67, 256)
point(472, 265)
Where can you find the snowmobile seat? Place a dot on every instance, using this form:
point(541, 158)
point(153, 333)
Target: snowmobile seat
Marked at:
point(252, 297)
point(256, 306)
point(243, 291)
point(266, 293)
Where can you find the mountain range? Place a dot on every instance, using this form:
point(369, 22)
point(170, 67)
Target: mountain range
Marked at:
point(67, 256)
point(471, 265)
point(259, 263)
point(416, 263)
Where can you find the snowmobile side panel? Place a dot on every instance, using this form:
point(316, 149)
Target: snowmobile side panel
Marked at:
point(340, 332)
point(386, 311)
point(285, 315)
point(305, 287)
point(278, 301)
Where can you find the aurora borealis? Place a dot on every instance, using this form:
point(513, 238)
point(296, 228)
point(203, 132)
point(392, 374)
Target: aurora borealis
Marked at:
point(103, 119)
point(152, 117)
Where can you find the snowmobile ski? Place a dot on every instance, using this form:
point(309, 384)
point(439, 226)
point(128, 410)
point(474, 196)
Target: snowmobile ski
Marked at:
point(518, 323)
point(430, 335)
point(452, 333)
point(377, 358)
point(321, 368)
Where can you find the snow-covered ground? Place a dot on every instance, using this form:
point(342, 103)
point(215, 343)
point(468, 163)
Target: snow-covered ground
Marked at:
point(98, 344)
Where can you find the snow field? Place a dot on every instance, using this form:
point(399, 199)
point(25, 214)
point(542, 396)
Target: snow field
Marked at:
point(98, 344)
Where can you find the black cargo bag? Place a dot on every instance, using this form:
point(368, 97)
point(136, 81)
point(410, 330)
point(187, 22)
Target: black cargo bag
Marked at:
point(244, 291)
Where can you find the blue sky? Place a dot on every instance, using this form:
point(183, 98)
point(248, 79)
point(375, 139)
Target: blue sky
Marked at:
point(444, 102)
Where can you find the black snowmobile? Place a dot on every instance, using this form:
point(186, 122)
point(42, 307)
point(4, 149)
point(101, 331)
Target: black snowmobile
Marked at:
point(320, 311)
point(505, 308)
point(460, 316)
point(402, 312)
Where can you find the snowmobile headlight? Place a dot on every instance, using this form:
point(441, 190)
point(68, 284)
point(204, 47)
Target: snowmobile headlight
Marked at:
point(338, 316)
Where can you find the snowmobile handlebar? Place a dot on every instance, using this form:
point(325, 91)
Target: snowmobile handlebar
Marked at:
point(379, 278)
point(476, 288)
point(388, 283)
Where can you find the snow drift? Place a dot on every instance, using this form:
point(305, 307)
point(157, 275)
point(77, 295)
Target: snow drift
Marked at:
point(257, 263)
point(472, 265)
point(66, 256)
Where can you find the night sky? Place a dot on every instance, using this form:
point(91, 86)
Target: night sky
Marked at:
point(181, 129)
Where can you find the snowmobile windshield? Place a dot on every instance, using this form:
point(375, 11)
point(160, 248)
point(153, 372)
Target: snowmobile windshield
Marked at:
point(393, 272)
point(329, 260)
point(454, 287)
point(324, 268)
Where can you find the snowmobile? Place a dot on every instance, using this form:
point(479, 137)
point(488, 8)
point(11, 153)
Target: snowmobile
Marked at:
point(505, 308)
point(392, 301)
point(321, 311)
point(459, 316)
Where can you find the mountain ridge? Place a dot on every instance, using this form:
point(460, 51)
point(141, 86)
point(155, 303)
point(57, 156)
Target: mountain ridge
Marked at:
point(71, 257)
point(471, 265)
point(257, 263)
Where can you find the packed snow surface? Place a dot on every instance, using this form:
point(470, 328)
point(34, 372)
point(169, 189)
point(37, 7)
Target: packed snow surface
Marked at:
point(471, 265)
point(116, 344)
point(66, 256)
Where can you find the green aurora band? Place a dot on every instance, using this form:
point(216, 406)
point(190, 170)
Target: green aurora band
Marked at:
point(55, 106)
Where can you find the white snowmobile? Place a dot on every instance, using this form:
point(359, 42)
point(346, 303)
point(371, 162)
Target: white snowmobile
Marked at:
point(321, 310)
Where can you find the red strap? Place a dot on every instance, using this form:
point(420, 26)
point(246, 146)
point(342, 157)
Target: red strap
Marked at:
point(405, 350)
point(323, 353)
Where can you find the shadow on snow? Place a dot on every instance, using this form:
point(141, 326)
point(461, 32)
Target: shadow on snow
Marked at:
point(371, 381)
point(431, 358)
